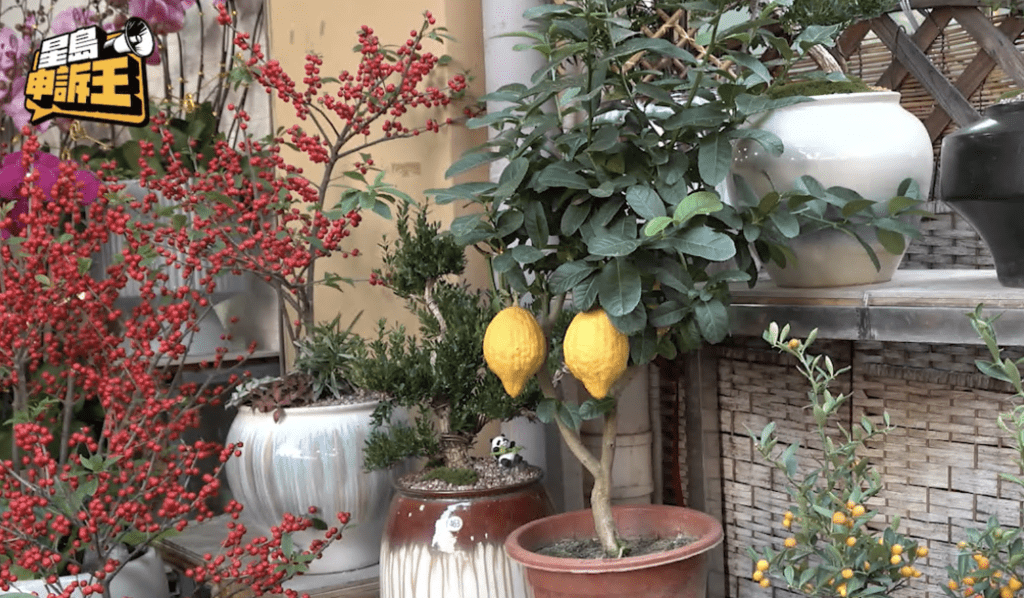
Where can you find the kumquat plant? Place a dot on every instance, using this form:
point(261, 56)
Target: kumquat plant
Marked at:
point(991, 560)
point(829, 548)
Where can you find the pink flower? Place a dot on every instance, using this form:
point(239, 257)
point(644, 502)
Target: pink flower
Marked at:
point(14, 52)
point(71, 19)
point(14, 107)
point(12, 175)
point(163, 16)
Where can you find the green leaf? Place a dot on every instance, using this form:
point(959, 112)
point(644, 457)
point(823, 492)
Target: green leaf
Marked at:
point(894, 243)
point(509, 221)
point(857, 205)
point(526, 254)
point(769, 141)
point(700, 202)
point(569, 415)
point(619, 287)
point(786, 222)
point(713, 320)
point(656, 225)
point(462, 192)
point(714, 157)
point(611, 246)
point(631, 323)
point(570, 274)
point(43, 280)
point(645, 202)
point(471, 161)
point(536, 224)
point(546, 410)
point(606, 137)
point(901, 203)
point(667, 314)
point(573, 216)
point(701, 116)
point(645, 347)
point(561, 175)
point(706, 243)
point(755, 66)
point(511, 177)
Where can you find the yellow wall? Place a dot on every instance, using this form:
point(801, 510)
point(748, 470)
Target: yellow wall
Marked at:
point(328, 28)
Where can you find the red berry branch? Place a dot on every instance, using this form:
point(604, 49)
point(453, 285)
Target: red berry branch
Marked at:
point(99, 459)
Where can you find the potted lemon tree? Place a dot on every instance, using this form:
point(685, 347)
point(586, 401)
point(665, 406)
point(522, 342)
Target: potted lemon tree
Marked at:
point(607, 208)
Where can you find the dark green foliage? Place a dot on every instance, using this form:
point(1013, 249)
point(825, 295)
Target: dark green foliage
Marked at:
point(836, 12)
point(820, 86)
point(455, 477)
point(326, 356)
point(194, 137)
point(439, 378)
point(419, 257)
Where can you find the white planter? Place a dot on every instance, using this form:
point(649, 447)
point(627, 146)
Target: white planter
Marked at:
point(863, 141)
point(142, 578)
point(312, 457)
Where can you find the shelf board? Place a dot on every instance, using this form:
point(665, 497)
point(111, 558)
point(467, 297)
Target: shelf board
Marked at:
point(927, 306)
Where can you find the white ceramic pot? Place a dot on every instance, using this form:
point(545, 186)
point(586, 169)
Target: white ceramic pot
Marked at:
point(863, 141)
point(312, 457)
point(143, 577)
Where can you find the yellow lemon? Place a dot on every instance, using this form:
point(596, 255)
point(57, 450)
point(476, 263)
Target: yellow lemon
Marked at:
point(595, 351)
point(514, 347)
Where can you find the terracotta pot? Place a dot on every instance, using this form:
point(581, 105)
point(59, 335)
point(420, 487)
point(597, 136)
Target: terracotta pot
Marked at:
point(980, 176)
point(863, 141)
point(450, 544)
point(679, 573)
point(312, 457)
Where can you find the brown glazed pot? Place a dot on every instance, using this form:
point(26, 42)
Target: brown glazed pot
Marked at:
point(679, 573)
point(451, 544)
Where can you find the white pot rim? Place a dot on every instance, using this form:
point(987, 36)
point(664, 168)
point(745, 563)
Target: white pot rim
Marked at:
point(311, 409)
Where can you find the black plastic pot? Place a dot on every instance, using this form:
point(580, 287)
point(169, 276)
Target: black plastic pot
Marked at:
point(981, 176)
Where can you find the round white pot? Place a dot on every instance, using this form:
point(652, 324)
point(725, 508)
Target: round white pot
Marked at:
point(863, 141)
point(143, 577)
point(312, 457)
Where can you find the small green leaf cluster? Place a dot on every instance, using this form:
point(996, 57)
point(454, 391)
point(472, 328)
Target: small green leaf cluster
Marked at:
point(437, 377)
point(802, 13)
point(991, 559)
point(455, 477)
point(778, 217)
point(608, 195)
point(194, 134)
point(830, 550)
point(326, 355)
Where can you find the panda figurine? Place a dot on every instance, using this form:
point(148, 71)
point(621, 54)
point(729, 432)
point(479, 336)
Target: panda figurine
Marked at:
point(505, 451)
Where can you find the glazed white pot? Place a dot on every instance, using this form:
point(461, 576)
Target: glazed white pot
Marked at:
point(312, 457)
point(863, 141)
point(142, 577)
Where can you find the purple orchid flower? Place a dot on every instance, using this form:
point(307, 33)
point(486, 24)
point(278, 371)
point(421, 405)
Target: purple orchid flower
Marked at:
point(12, 176)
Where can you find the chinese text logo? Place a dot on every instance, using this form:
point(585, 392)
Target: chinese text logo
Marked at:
point(89, 74)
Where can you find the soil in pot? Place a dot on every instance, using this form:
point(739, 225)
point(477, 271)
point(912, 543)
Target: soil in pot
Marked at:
point(590, 548)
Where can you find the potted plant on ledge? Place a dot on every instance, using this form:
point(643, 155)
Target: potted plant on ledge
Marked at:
point(448, 521)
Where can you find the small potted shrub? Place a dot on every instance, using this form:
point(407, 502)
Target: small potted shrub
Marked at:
point(832, 545)
point(448, 520)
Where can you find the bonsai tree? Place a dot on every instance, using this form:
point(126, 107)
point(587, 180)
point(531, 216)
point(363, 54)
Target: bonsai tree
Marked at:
point(608, 203)
point(437, 376)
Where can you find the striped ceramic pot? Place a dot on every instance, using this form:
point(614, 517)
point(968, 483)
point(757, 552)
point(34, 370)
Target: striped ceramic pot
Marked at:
point(451, 544)
point(313, 456)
